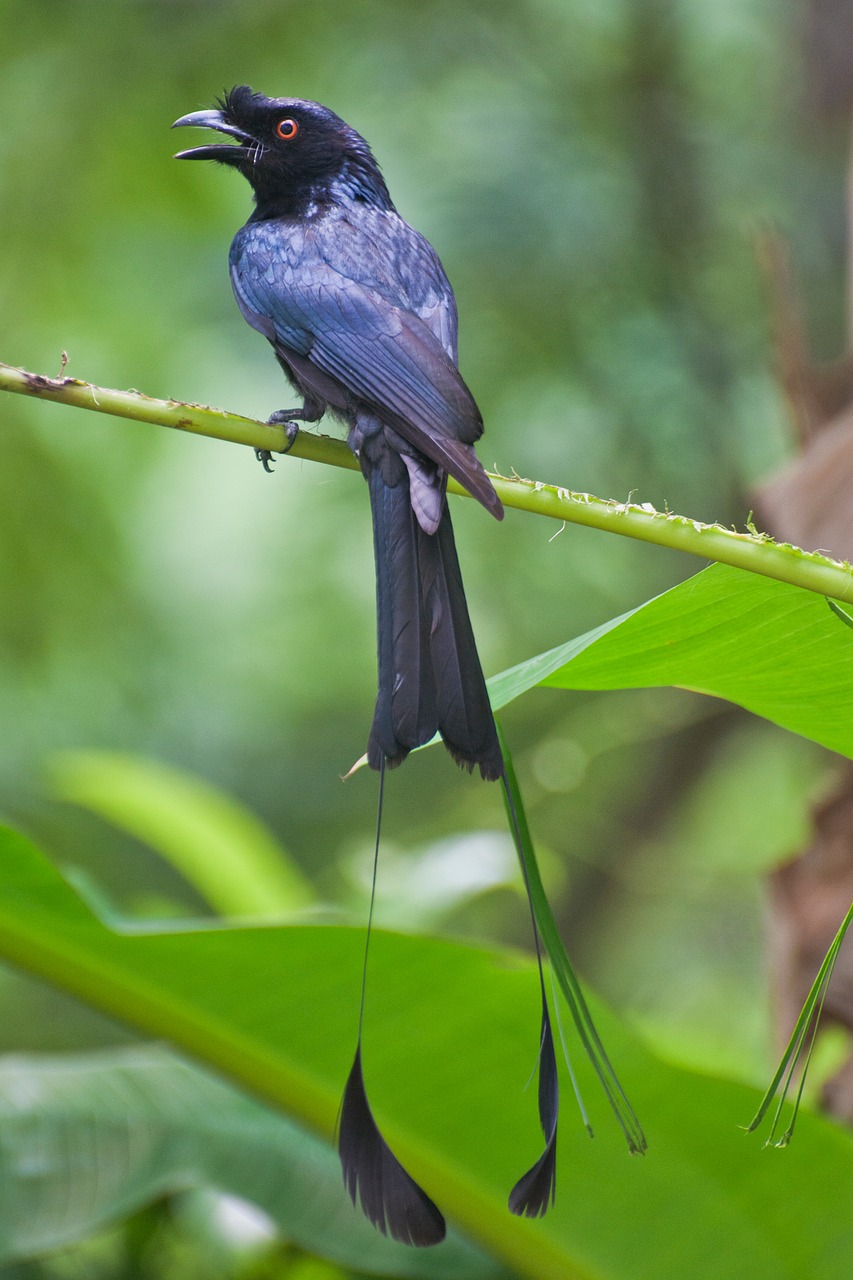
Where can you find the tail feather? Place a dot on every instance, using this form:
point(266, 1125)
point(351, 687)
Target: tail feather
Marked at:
point(406, 715)
point(465, 717)
point(430, 678)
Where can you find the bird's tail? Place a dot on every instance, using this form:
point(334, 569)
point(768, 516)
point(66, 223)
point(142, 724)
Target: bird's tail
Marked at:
point(430, 678)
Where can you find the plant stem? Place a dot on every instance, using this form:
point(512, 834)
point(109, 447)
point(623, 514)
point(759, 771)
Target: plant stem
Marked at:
point(196, 418)
point(754, 552)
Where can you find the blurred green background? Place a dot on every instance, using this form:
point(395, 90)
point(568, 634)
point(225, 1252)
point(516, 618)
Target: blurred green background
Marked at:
point(594, 175)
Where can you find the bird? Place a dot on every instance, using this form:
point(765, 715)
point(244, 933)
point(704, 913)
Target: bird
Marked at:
point(363, 321)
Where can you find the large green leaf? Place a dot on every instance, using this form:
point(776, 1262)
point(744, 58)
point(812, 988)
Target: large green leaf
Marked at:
point(449, 1042)
point(775, 649)
point(221, 848)
point(87, 1138)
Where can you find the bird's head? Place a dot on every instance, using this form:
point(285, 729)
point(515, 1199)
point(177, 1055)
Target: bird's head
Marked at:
point(293, 152)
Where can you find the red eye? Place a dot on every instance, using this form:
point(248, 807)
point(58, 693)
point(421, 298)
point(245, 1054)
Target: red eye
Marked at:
point(287, 129)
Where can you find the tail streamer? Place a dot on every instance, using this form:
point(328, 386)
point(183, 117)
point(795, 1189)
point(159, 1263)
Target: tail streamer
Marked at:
point(389, 1197)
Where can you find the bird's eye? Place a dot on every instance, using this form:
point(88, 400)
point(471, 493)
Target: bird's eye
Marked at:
point(287, 129)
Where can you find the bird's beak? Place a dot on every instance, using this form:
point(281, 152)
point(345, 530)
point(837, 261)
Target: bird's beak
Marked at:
point(220, 150)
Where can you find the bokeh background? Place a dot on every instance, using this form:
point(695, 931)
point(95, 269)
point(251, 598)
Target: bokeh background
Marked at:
point(596, 175)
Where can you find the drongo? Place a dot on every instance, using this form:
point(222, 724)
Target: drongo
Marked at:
point(362, 319)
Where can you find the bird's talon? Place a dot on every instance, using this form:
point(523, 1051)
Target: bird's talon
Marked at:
point(284, 418)
point(264, 457)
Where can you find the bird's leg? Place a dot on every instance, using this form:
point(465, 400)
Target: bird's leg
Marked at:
point(310, 411)
point(281, 418)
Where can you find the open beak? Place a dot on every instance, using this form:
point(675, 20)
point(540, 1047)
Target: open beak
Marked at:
point(219, 150)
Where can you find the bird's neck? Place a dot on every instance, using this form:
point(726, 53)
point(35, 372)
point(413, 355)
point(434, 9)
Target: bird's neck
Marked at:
point(358, 183)
point(364, 183)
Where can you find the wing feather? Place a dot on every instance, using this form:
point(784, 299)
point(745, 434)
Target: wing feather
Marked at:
point(384, 355)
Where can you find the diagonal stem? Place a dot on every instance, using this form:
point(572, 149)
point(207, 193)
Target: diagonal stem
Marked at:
point(752, 551)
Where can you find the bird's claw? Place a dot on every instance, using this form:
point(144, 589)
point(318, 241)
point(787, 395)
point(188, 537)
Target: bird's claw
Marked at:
point(281, 418)
point(291, 430)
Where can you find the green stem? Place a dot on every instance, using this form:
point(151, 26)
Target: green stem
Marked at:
point(754, 552)
point(195, 418)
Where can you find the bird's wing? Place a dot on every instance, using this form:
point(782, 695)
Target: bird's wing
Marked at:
point(384, 355)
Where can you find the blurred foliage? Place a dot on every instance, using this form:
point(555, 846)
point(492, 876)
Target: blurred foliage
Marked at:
point(86, 1138)
point(593, 174)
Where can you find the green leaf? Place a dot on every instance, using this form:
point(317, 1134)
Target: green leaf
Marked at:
point(222, 849)
point(770, 647)
point(798, 1050)
point(87, 1138)
point(562, 970)
point(447, 1053)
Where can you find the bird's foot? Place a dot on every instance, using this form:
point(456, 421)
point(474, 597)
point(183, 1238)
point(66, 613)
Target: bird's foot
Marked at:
point(281, 418)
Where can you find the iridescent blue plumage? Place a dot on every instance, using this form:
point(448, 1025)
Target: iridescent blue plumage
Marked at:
point(362, 319)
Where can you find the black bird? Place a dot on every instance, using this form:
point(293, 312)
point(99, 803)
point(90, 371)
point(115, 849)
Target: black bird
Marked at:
point(362, 319)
